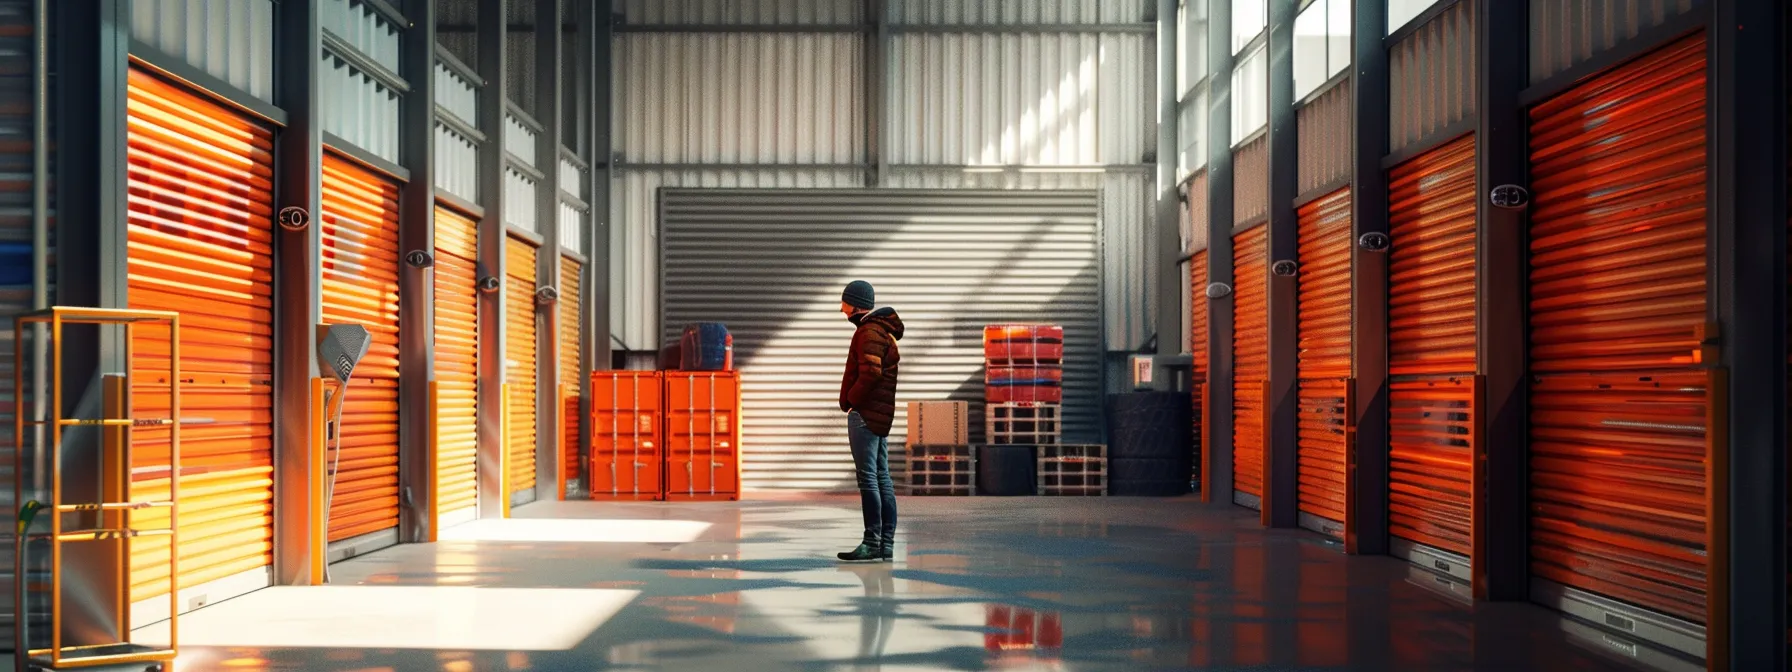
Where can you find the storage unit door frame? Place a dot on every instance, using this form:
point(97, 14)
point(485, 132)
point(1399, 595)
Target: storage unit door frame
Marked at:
point(521, 324)
point(359, 268)
point(571, 330)
point(200, 182)
point(1431, 356)
point(771, 263)
point(1324, 359)
point(1250, 362)
point(1619, 398)
point(456, 386)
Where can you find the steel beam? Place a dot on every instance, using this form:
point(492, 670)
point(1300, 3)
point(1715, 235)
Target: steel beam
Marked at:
point(1499, 555)
point(416, 285)
point(1281, 445)
point(547, 264)
point(298, 167)
point(602, 160)
point(491, 467)
point(1746, 623)
point(1366, 499)
point(1216, 451)
point(1167, 264)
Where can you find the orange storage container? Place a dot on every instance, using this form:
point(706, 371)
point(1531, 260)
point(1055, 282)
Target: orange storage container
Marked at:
point(627, 457)
point(702, 435)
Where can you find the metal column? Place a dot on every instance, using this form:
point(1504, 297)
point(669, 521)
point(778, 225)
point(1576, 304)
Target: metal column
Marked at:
point(1216, 474)
point(1169, 206)
point(1500, 551)
point(548, 36)
point(491, 469)
point(1281, 459)
point(416, 288)
point(602, 164)
point(1366, 524)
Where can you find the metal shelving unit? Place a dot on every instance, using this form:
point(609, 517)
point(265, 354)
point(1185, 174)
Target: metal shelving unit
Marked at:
point(110, 513)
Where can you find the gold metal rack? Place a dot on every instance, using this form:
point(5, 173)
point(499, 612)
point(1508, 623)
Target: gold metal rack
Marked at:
point(113, 510)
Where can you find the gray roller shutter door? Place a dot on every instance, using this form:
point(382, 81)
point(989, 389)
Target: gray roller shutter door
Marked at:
point(771, 264)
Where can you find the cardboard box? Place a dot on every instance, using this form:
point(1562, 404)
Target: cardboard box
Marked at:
point(939, 423)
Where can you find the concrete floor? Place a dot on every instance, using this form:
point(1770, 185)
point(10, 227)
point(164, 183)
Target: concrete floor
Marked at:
point(979, 583)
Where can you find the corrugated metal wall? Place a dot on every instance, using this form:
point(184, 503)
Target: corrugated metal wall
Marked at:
point(519, 139)
point(1325, 140)
point(1195, 237)
point(232, 40)
point(519, 200)
point(457, 95)
point(519, 58)
point(1192, 129)
point(771, 263)
point(357, 107)
point(452, 16)
point(792, 104)
point(1566, 33)
point(1431, 77)
point(457, 163)
point(363, 28)
point(1250, 181)
point(16, 278)
point(740, 98)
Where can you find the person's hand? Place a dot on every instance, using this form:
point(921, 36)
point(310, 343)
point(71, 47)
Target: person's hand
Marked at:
point(845, 407)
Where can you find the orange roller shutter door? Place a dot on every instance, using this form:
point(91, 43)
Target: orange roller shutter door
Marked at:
point(200, 198)
point(1431, 345)
point(520, 351)
point(570, 331)
point(1324, 352)
point(360, 286)
point(1198, 349)
point(1250, 356)
point(1618, 299)
point(457, 362)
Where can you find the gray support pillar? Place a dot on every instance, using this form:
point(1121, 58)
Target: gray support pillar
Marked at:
point(548, 38)
point(597, 271)
point(1366, 512)
point(1281, 466)
point(587, 16)
point(298, 164)
point(877, 91)
point(91, 87)
point(1216, 450)
point(1746, 625)
point(1500, 553)
point(416, 284)
point(1167, 265)
point(491, 36)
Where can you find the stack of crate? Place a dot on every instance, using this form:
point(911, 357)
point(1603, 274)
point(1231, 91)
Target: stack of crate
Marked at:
point(660, 435)
point(1073, 470)
point(940, 459)
point(1023, 383)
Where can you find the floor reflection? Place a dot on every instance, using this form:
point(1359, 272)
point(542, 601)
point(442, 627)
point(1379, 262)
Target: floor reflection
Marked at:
point(979, 584)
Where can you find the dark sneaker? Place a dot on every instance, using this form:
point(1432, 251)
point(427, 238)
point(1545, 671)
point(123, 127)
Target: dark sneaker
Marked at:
point(889, 551)
point(864, 553)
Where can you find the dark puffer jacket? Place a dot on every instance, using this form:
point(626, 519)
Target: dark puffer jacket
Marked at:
point(869, 386)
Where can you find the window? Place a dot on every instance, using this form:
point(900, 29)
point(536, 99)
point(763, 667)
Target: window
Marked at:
point(1191, 45)
point(1321, 44)
point(1402, 12)
point(1250, 95)
point(1193, 129)
point(1249, 18)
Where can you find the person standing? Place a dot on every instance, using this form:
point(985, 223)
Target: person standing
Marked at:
point(868, 397)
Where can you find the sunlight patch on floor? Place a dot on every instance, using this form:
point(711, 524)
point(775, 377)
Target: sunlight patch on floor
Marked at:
point(574, 530)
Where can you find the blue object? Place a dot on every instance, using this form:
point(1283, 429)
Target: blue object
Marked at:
point(15, 263)
point(706, 346)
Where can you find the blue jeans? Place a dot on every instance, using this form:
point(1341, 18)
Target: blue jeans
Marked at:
point(877, 493)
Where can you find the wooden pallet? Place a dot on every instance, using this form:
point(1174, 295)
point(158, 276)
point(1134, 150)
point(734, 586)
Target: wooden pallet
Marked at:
point(941, 471)
point(1077, 470)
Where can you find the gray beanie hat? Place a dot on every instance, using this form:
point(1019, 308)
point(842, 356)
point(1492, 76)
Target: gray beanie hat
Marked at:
point(859, 294)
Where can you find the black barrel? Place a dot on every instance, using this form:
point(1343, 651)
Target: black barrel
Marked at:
point(1149, 451)
point(1007, 470)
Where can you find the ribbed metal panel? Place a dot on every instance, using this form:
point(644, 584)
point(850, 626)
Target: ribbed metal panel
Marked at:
point(1002, 99)
point(363, 27)
point(1250, 181)
point(457, 163)
point(1566, 33)
point(1192, 129)
point(740, 98)
point(15, 248)
point(572, 180)
point(232, 40)
point(770, 264)
point(1250, 94)
point(741, 12)
point(463, 44)
point(572, 227)
point(1195, 234)
point(1325, 138)
point(1431, 81)
point(957, 12)
point(457, 95)
point(519, 200)
point(519, 139)
point(519, 57)
point(635, 265)
point(358, 108)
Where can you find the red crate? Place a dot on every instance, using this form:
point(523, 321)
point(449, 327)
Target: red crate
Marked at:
point(1022, 353)
point(702, 435)
point(1044, 333)
point(1003, 394)
point(1024, 375)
